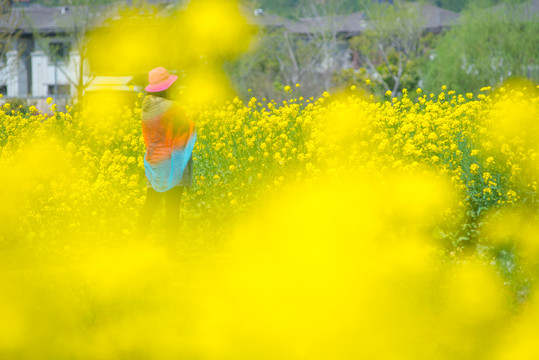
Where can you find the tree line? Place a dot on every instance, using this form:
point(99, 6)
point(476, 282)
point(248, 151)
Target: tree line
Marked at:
point(493, 41)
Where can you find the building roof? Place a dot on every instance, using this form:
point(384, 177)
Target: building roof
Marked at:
point(265, 19)
point(437, 18)
point(45, 19)
point(354, 23)
point(527, 11)
point(351, 23)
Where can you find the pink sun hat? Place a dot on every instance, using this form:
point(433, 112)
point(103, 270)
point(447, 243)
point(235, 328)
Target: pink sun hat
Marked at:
point(160, 80)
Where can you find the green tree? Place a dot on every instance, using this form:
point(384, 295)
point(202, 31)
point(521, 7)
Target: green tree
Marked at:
point(393, 49)
point(285, 57)
point(258, 69)
point(487, 47)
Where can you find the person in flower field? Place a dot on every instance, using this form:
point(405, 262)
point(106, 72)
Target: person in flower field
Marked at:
point(169, 135)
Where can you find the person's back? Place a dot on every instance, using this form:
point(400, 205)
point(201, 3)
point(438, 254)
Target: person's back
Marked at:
point(169, 136)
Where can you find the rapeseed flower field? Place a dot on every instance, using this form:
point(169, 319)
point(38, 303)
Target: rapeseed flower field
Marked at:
point(343, 227)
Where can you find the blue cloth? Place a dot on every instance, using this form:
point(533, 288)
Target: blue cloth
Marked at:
point(168, 173)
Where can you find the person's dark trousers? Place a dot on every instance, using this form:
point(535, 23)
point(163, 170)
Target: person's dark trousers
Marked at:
point(173, 199)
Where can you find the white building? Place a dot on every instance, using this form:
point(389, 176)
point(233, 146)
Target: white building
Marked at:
point(36, 48)
point(38, 52)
